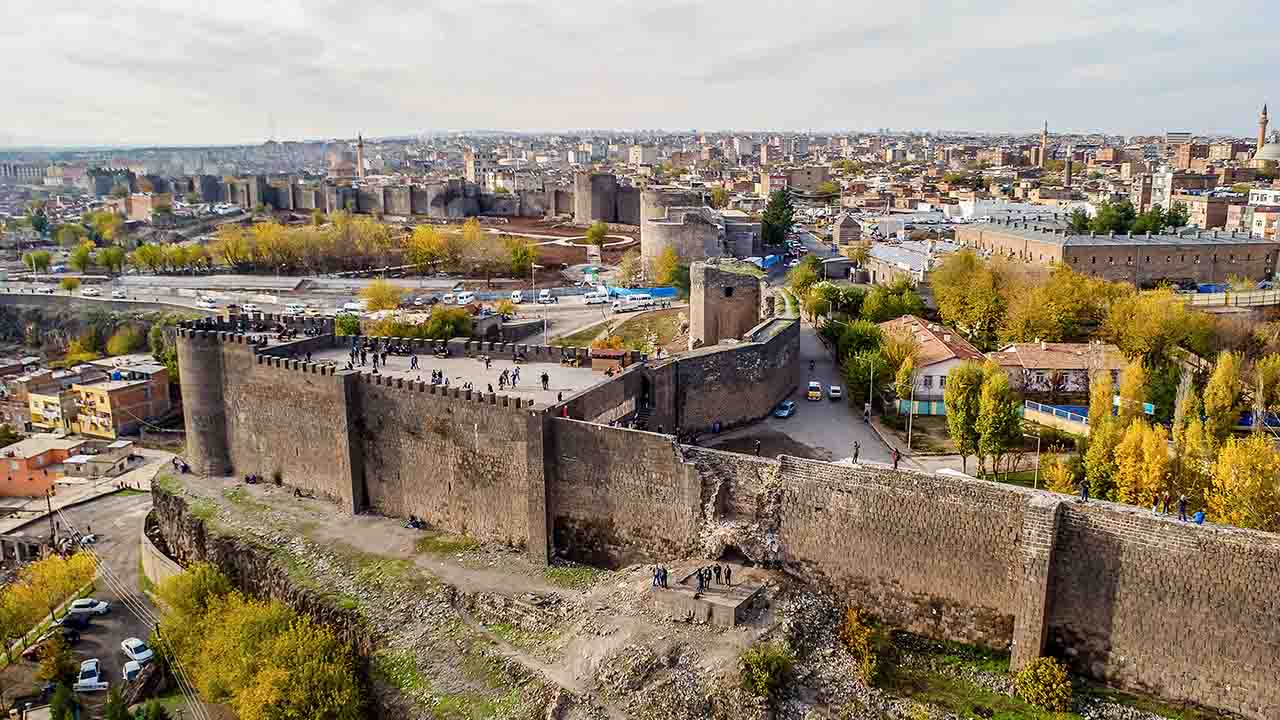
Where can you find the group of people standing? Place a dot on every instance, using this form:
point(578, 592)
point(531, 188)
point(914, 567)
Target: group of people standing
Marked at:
point(706, 576)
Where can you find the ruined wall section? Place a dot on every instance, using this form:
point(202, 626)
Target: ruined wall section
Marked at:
point(464, 462)
point(618, 496)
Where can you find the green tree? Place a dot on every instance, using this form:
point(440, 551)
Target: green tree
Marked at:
point(828, 187)
point(40, 221)
point(81, 257)
point(523, 253)
point(665, 266)
point(127, 339)
point(905, 379)
point(963, 400)
point(858, 336)
point(860, 370)
point(112, 259)
point(778, 216)
point(37, 260)
point(719, 197)
point(1246, 489)
point(346, 324)
point(382, 295)
point(1113, 218)
point(1178, 216)
point(598, 233)
point(70, 235)
point(1224, 396)
point(1100, 458)
point(116, 708)
point(1078, 221)
point(968, 293)
point(999, 423)
point(70, 284)
point(64, 705)
point(886, 302)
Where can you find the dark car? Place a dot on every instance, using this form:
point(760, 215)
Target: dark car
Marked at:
point(75, 622)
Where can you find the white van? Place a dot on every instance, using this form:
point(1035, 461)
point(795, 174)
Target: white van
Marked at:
point(631, 303)
point(597, 297)
point(545, 297)
point(357, 307)
point(447, 299)
point(517, 296)
point(466, 298)
point(295, 309)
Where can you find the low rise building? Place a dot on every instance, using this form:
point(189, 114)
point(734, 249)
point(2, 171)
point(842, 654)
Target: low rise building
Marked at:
point(1144, 260)
point(887, 262)
point(31, 466)
point(940, 350)
point(1206, 211)
point(1057, 369)
point(130, 396)
point(52, 411)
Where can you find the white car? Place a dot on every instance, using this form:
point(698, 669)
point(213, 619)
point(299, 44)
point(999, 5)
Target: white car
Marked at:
point(90, 292)
point(447, 299)
point(90, 677)
point(835, 392)
point(131, 670)
point(46, 290)
point(207, 304)
point(88, 606)
point(119, 294)
point(249, 308)
point(793, 263)
point(137, 650)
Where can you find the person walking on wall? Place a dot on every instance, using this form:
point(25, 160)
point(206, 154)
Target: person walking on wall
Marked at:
point(757, 447)
point(728, 575)
point(897, 455)
point(857, 448)
point(717, 571)
point(1084, 490)
point(1182, 508)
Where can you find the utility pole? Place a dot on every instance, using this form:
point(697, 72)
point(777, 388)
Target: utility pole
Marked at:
point(53, 527)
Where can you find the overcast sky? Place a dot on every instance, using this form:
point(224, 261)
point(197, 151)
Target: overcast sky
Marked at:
point(229, 71)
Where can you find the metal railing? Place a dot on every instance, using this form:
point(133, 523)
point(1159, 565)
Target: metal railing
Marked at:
point(1055, 411)
point(1243, 298)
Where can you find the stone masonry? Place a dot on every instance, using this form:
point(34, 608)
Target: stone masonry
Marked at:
point(1181, 611)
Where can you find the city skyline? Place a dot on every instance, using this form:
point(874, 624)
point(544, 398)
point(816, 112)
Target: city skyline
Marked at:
point(151, 74)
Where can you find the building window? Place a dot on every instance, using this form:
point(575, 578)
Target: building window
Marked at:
point(928, 381)
point(1093, 261)
point(728, 292)
point(1111, 261)
point(942, 381)
point(1147, 259)
point(1075, 260)
point(1168, 259)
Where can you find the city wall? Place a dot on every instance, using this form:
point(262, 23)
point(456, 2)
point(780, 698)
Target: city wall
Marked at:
point(1180, 611)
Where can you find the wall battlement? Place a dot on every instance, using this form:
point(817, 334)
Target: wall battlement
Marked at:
point(1180, 611)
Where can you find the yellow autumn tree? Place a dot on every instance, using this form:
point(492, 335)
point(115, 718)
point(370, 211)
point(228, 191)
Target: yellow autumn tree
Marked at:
point(1057, 477)
point(1128, 464)
point(1133, 392)
point(1246, 484)
point(382, 295)
point(665, 266)
point(42, 585)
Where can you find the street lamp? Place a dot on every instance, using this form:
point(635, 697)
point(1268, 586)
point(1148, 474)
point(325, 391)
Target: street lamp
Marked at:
point(1035, 483)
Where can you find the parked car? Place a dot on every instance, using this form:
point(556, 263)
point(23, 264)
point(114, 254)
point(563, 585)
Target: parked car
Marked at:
point(136, 650)
point(793, 263)
point(119, 294)
point(815, 390)
point(75, 622)
point(546, 298)
point(90, 292)
point(47, 290)
point(786, 409)
point(517, 297)
point(250, 308)
point(132, 669)
point(90, 677)
point(88, 606)
point(448, 299)
point(207, 304)
point(835, 392)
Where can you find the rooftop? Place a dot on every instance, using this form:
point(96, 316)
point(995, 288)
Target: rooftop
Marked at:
point(1060, 356)
point(1057, 233)
point(40, 444)
point(937, 343)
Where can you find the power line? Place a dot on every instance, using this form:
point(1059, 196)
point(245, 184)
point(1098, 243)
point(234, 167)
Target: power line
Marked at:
point(145, 615)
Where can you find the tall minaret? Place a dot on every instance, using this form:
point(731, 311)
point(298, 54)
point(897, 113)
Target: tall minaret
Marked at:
point(1044, 145)
point(1262, 128)
point(360, 156)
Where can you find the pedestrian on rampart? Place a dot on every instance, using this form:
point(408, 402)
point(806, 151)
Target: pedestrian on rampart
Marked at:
point(1182, 508)
point(717, 571)
point(1084, 490)
point(728, 575)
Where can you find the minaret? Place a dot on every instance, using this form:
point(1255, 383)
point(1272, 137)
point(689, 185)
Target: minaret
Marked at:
point(360, 156)
point(1044, 145)
point(1262, 128)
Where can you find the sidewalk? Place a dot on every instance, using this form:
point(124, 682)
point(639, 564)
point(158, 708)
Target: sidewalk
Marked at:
point(73, 491)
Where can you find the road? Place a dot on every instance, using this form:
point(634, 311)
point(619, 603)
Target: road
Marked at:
point(831, 426)
point(117, 520)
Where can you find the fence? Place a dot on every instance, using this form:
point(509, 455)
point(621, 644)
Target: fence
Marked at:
point(1055, 417)
point(1244, 298)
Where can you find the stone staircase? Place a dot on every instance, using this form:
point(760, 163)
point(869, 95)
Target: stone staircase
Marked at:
point(642, 418)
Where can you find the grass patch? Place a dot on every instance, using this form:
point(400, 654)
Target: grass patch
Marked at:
point(144, 583)
point(953, 653)
point(240, 497)
point(472, 706)
point(204, 509)
point(964, 699)
point(574, 577)
point(439, 543)
point(581, 338)
point(399, 668)
point(1025, 478)
point(376, 572)
point(167, 482)
point(637, 331)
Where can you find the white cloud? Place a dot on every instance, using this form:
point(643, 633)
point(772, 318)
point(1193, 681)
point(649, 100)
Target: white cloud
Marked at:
point(147, 71)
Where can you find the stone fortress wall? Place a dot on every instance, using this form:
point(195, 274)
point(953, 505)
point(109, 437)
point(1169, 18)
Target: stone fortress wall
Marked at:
point(1181, 611)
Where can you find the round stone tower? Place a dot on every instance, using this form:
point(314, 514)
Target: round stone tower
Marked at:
point(200, 368)
point(688, 233)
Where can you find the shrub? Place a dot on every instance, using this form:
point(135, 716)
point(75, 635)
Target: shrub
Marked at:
point(1044, 683)
point(70, 284)
point(612, 342)
point(869, 643)
point(126, 340)
point(765, 668)
point(346, 324)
